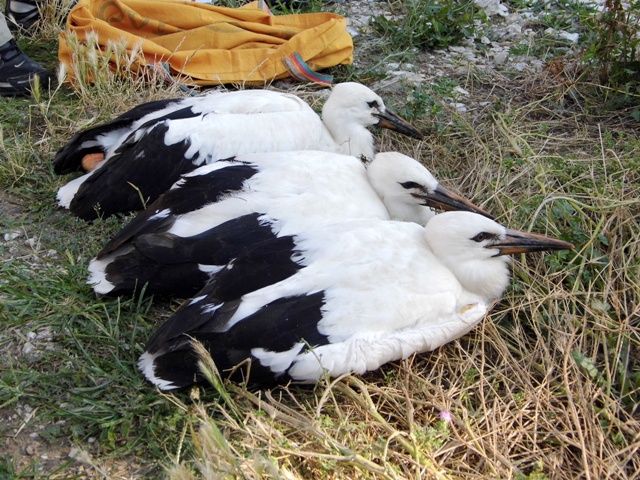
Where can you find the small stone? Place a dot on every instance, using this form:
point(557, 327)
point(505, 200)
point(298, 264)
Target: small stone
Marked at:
point(459, 107)
point(12, 235)
point(500, 57)
point(28, 348)
point(457, 49)
point(44, 334)
point(572, 37)
point(33, 243)
point(514, 29)
point(31, 449)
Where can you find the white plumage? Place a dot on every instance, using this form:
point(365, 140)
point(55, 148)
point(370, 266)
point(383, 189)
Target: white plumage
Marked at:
point(362, 293)
point(147, 149)
point(182, 238)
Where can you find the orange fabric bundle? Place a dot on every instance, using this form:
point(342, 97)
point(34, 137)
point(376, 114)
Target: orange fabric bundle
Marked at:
point(210, 45)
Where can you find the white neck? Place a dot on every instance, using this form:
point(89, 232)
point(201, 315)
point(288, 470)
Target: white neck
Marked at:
point(487, 278)
point(477, 268)
point(353, 139)
point(350, 135)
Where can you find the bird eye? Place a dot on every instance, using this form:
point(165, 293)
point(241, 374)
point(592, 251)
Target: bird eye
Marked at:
point(482, 236)
point(412, 185)
point(373, 104)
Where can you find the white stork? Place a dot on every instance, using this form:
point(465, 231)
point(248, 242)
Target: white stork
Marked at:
point(147, 149)
point(354, 296)
point(217, 210)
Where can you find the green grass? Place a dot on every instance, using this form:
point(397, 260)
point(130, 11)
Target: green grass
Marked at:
point(429, 24)
point(548, 386)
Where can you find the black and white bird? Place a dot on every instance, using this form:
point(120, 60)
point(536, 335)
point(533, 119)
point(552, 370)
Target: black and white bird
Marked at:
point(216, 211)
point(147, 149)
point(352, 297)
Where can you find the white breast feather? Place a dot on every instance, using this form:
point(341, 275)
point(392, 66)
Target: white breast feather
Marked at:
point(362, 353)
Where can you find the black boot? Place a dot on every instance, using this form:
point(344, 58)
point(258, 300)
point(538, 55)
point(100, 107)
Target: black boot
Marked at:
point(21, 14)
point(17, 71)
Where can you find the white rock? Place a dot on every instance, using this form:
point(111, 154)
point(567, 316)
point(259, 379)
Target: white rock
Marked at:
point(44, 334)
point(12, 235)
point(514, 29)
point(493, 7)
point(33, 243)
point(459, 107)
point(28, 348)
point(572, 37)
point(500, 56)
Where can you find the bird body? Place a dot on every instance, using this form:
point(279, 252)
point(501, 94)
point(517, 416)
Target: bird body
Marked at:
point(364, 293)
point(107, 137)
point(216, 211)
point(145, 157)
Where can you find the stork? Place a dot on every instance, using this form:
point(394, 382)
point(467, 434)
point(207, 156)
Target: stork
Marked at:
point(147, 149)
point(217, 210)
point(363, 293)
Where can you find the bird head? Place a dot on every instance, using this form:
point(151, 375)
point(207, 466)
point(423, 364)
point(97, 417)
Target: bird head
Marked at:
point(476, 249)
point(356, 104)
point(410, 191)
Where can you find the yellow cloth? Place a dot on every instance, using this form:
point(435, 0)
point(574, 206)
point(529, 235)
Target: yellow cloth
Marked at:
point(211, 45)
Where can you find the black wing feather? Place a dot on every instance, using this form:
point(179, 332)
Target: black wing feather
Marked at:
point(216, 246)
point(135, 273)
point(137, 172)
point(224, 291)
point(276, 327)
point(170, 265)
point(258, 266)
point(194, 193)
point(69, 158)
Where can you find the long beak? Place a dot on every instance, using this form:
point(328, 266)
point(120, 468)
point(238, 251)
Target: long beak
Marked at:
point(394, 122)
point(524, 242)
point(444, 199)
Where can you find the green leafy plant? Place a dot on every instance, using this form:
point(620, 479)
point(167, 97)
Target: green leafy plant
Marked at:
point(611, 39)
point(431, 24)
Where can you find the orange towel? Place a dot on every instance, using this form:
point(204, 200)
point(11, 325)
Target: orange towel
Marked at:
point(211, 45)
